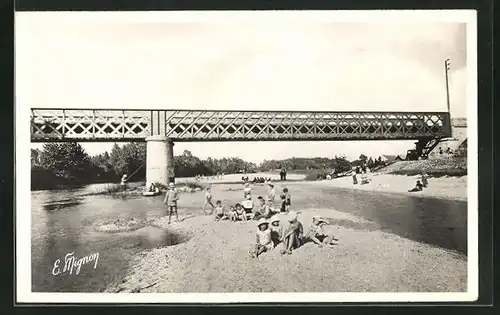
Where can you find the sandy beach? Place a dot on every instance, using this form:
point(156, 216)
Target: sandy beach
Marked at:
point(215, 259)
point(452, 188)
point(367, 259)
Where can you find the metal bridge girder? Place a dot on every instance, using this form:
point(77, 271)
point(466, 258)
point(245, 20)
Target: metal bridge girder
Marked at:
point(205, 125)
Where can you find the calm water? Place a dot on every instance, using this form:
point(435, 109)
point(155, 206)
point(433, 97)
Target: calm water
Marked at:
point(62, 223)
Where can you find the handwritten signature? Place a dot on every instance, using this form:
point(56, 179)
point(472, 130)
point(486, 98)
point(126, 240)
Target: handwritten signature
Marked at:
point(71, 263)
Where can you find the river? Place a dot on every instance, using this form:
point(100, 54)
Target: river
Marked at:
point(62, 223)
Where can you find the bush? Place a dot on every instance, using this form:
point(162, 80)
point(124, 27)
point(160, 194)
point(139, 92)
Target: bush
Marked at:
point(189, 184)
point(193, 185)
point(315, 175)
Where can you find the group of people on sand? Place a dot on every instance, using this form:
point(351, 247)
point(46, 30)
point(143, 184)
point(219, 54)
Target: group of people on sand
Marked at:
point(287, 230)
point(246, 209)
point(275, 225)
point(361, 171)
point(219, 175)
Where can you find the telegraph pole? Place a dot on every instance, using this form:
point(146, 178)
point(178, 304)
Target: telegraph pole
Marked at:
point(446, 69)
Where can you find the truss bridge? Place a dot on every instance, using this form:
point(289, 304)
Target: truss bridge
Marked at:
point(137, 125)
point(160, 127)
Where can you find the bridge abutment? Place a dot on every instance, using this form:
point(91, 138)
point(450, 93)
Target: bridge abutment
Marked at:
point(159, 160)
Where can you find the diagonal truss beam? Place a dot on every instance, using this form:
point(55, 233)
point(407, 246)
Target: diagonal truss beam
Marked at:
point(199, 125)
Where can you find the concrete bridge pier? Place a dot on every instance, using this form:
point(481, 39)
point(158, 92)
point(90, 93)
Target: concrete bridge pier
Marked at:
point(159, 160)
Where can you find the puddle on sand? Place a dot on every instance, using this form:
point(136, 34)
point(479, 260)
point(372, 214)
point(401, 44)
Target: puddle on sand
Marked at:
point(61, 204)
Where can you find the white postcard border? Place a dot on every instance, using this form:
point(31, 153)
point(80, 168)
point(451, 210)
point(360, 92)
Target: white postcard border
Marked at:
point(22, 160)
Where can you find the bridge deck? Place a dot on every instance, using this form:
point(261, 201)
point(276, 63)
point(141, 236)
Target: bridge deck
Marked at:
point(50, 125)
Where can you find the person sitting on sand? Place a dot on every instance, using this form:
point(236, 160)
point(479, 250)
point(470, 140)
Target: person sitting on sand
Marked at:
point(264, 209)
point(232, 213)
point(170, 200)
point(247, 190)
point(240, 213)
point(220, 211)
point(263, 242)
point(365, 179)
point(248, 206)
point(292, 236)
point(208, 201)
point(276, 229)
point(318, 235)
point(418, 187)
point(258, 212)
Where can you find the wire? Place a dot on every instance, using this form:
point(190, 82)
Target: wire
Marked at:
point(136, 170)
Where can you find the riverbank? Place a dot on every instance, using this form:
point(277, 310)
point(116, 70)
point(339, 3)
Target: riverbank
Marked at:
point(451, 188)
point(215, 259)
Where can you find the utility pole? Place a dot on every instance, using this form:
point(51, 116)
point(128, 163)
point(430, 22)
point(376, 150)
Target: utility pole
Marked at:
point(446, 69)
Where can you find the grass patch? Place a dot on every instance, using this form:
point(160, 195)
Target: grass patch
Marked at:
point(454, 172)
point(188, 184)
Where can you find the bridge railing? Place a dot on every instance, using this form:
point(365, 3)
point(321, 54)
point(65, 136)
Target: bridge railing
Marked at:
point(183, 125)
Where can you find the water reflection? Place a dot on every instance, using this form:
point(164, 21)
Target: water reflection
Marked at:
point(434, 221)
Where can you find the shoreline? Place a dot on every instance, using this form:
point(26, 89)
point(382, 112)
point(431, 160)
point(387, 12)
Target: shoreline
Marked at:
point(447, 188)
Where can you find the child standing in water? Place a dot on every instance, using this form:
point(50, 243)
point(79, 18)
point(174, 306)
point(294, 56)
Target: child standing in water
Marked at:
point(288, 199)
point(208, 201)
point(263, 242)
point(170, 201)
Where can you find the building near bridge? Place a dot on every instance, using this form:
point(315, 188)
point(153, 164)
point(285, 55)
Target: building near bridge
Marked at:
point(456, 142)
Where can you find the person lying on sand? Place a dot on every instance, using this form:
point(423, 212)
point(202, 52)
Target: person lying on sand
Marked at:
point(220, 211)
point(263, 242)
point(276, 229)
point(318, 235)
point(292, 237)
point(418, 187)
point(247, 206)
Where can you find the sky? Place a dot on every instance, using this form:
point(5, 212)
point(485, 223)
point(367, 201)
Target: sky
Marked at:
point(265, 64)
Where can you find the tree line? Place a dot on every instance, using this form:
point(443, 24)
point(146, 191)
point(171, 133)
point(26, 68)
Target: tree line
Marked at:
point(68, 164)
